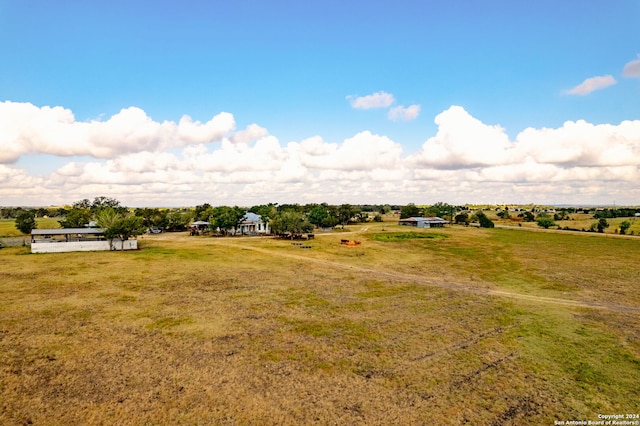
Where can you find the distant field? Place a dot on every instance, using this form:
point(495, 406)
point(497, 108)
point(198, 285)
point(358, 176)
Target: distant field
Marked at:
point(8, 226)
point(577, 221)
point(443, 326)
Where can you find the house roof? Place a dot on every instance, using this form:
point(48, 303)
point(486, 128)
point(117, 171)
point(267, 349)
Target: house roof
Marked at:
point(64, 231)
point(200, 222)
point(251, 218)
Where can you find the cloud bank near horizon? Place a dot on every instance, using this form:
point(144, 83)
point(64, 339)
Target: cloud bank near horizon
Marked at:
point(143, 162)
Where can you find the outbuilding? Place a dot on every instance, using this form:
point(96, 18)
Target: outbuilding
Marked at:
point(76, 239)
point(200, 225)
point(423, 222)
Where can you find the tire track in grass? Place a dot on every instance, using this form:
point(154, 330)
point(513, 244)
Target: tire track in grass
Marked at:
point(397, 276)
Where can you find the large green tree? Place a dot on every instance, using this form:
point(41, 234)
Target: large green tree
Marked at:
point(77, 217)
point(226, 218)
point(410, 210)
point(103, 202)
point(178, 220)
point(440, 209)
point(346, 212)
point(106, 217)
point(203, 212)
point(318, 214)
point(26, 221)
point(83, 211)
point(290, 222)
point(153, 217)
point(125, 228)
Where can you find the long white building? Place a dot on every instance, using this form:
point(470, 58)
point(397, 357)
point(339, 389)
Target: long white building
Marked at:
point(76, 239)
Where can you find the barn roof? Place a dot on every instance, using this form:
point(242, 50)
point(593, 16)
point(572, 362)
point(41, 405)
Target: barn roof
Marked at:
point(434, 219)
point(64, 231)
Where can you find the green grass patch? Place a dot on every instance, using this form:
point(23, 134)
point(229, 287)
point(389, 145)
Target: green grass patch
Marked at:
point(404, 236)
point(354, 332)
point(379, 290)
point(583, 358)
point(306, 299)
point(8, 226)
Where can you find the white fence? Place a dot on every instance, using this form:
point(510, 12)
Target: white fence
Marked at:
point(63, 246)
point(14, 241)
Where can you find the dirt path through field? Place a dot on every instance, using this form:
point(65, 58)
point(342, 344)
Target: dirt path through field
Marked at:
point(433, 283)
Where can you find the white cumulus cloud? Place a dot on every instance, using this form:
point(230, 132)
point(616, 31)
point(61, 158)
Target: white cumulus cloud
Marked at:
point(463, 141)
point(591, 84)
point(376, 100)
point(581, 143)
point(632, 68)
point(28, 129)
point(364, 151)
point(251, 133)
point(229, 157)
point(400, 113)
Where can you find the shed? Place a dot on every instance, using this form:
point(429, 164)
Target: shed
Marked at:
point(76, 239)
point(200, 225)
point(423, 222)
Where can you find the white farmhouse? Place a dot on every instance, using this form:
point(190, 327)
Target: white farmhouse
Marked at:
point(252, 224)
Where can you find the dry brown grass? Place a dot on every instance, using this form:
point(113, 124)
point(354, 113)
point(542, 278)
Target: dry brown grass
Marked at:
point(258, 331)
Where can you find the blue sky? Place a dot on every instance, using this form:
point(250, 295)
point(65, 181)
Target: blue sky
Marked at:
point(295, 68)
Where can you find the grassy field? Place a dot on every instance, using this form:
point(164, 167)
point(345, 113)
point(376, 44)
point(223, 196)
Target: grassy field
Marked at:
point(8, 226)
point(448, 326)
point(576, 221)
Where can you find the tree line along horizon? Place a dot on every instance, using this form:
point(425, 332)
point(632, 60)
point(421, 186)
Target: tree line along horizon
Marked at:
point(122, 222)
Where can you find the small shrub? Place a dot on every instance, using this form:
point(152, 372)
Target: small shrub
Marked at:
point(602, 225)
point(624, 227)
point(545, 222)
point(462, 219)
point(484, 221)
